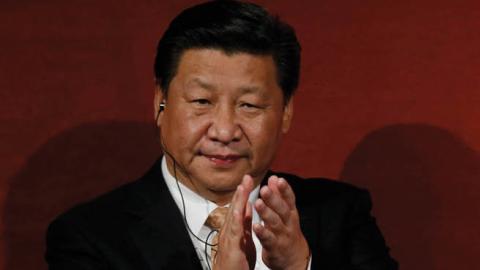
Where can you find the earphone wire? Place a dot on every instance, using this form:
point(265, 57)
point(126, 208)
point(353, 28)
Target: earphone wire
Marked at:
point(184, 208)
point(206, 248)
point(207, 244)
point(164, 149)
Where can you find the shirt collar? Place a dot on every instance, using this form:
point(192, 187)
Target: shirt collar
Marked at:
point(196, 207)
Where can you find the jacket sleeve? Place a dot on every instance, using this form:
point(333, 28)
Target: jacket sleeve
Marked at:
point(365, 241)
point(348, 236)
point(68, 248)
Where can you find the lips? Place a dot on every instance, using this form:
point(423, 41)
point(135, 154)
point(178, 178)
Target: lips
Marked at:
point(222, 160)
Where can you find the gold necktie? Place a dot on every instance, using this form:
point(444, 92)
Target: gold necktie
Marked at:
point(215, 222)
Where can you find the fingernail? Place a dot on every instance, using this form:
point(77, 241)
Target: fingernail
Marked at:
point(265, 191)
point(259, 203)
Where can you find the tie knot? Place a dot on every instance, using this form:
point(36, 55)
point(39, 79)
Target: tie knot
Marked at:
point(216, 218)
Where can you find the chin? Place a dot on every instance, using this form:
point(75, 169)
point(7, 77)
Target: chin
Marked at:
point(219, 184)
point(224, 186)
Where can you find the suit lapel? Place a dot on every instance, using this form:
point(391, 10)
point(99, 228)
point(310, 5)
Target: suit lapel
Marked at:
point(159, 231)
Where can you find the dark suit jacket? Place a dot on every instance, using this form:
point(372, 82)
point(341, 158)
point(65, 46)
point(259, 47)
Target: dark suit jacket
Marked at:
point(138, 226)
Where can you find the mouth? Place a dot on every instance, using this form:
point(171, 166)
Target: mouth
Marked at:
point(223, 160)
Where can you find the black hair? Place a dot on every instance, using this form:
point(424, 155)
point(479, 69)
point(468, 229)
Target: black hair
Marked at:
point(233, 27)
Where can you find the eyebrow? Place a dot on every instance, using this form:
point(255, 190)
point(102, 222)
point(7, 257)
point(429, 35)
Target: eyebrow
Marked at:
point(211, 87)
point(203, 84)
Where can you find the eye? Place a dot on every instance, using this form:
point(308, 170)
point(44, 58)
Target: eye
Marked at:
point(250, 107)
point(201, 101)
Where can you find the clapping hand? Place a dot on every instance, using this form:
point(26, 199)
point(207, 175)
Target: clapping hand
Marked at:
point(283, 244)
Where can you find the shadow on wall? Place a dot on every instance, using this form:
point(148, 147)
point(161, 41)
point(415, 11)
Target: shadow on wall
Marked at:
point(71, 167)
point(424, 183)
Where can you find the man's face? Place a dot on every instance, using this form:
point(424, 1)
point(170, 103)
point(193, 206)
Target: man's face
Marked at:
point(224, 118)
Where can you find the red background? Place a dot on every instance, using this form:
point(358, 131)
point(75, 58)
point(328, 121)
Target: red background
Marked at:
point(388, 100)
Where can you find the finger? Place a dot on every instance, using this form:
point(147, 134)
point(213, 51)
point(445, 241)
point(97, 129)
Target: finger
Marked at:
point(233, 222)
point(267, 238)
point(244, 189)
point(247, 245)
point(247, 183)
point(270, 219)
point(275, 201)
point(230, 210)
point(286, 192)
point(240, 204)
point(247, 219)
point(272, 182)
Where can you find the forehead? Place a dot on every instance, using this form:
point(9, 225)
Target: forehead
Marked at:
point(212, 68)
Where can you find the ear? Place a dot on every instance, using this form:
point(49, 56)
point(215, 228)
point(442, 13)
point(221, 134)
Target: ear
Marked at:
point(287, 115)
point(159, 98)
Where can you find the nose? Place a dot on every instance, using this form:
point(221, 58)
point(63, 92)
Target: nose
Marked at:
point(224, 127)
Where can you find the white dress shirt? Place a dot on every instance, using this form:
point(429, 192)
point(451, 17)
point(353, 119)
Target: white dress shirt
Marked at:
point(196, 212)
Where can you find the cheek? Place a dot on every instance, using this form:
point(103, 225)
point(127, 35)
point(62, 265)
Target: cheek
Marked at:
point(263, 134)
point(186, 131)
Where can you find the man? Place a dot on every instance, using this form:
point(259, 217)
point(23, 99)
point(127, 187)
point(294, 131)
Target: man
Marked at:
point(226, 72)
